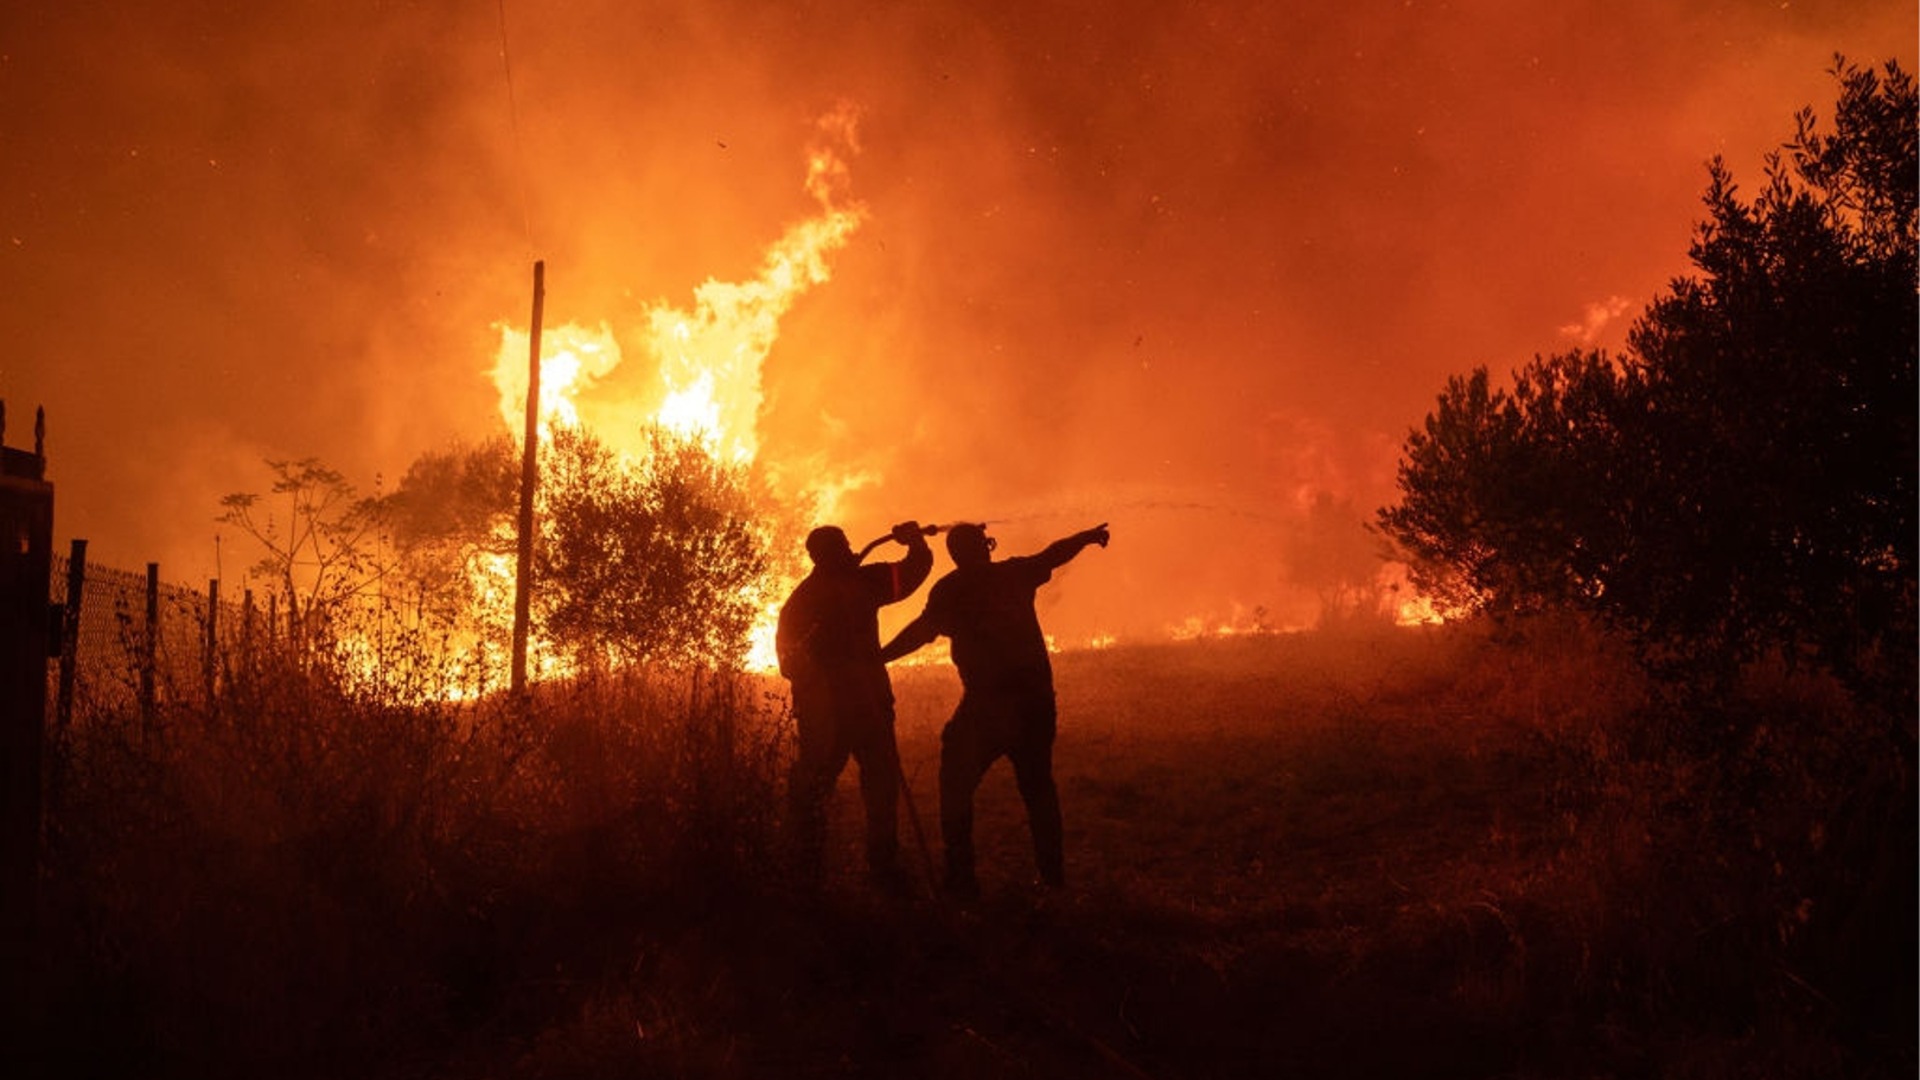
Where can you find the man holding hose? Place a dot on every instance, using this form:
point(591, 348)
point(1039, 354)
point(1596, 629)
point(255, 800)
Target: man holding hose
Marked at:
point(828, 642)
point(1006, 701)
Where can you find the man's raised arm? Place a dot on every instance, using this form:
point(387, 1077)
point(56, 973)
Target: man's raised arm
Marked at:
point(1061, 551)
point(912, 570)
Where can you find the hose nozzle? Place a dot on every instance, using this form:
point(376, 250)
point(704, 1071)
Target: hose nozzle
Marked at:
point(923, 530)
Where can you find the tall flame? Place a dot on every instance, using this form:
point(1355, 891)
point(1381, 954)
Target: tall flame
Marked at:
point(571, 359)
point(708, 357)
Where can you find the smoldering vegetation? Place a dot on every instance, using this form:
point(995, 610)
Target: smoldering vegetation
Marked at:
point(1367, 851)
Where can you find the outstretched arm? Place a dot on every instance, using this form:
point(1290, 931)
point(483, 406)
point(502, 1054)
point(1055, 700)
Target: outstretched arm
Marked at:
point(1062, 551)
point(911, 636)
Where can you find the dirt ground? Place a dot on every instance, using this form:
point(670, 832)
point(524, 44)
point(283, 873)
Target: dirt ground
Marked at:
point(1303, 857)
point(1284, 859)
point(1381, 854)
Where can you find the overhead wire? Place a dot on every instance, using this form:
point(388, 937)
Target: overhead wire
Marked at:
point(513, 123)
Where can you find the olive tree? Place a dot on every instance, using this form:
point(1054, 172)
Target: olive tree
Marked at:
point(1741, 478)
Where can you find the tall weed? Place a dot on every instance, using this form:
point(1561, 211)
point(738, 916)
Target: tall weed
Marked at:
point(300, 879)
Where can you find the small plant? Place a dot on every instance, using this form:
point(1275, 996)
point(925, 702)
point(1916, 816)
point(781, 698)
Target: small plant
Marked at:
point(320, 549)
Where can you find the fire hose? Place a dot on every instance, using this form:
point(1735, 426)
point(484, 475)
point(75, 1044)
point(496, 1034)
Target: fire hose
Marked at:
point(906, 791)
point(925, 530)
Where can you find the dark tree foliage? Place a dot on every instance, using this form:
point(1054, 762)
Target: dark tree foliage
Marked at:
point(457, 493)
point(449, 504)
point(652, 560)
point(1742, 478)
point(655, 561)
point(1505, 494)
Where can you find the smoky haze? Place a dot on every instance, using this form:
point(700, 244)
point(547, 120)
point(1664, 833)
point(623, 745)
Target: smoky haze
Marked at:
point(1194, 270)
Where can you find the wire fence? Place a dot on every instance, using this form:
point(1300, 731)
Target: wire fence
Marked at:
point(133, 643)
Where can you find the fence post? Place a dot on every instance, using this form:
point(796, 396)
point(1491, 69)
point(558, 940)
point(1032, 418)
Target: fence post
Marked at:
point(149, 648)
point(70, 634)
point(246, 637)
point(213, 639)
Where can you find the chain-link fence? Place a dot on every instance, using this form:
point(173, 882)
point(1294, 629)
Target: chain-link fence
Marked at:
point(132, 642)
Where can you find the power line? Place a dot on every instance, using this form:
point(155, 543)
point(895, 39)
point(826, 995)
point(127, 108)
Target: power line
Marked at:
point(513, 122)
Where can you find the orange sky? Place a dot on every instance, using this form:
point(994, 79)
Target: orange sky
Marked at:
point(1194, 269)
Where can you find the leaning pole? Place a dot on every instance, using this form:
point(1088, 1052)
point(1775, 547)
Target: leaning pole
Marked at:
point(529, 476)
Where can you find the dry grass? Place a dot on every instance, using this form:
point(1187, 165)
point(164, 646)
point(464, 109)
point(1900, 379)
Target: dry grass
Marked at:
point(1358, 854)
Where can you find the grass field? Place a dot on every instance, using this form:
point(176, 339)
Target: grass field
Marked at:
point(1389, 853)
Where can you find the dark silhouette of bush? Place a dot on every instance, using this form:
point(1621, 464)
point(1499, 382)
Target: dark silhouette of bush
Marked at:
point(656, 559)
point(1740, 480)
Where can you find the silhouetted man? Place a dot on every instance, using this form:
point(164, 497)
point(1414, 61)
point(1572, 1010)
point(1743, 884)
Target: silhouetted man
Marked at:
point(1006, 701)
point(828, 641)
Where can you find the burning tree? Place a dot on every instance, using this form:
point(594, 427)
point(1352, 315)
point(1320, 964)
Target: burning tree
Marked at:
point(447, 524)
point(1742, 478)
point(659, 558)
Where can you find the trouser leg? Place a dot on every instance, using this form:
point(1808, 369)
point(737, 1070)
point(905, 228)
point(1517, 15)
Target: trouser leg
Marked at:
point(880, 792)
point(963, 761)
point(816, 766)
point(1033, 773)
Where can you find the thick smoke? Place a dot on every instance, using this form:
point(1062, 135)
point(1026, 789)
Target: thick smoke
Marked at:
point(1191, 269)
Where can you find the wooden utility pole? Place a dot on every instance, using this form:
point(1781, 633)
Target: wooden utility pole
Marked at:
point(529, 476)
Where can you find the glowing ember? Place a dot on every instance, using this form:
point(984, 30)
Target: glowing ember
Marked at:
point(1407, 605)
point(1417, 611)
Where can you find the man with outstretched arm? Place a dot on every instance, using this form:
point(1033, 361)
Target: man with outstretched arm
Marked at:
point(985, 608)
point(828, 643)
